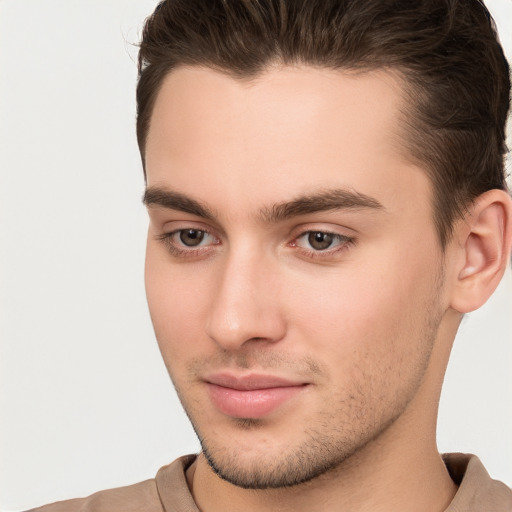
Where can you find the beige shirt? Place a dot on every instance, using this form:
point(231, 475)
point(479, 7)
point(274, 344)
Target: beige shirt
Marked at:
point(168, 491)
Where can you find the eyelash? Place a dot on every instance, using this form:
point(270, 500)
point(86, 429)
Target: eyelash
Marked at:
point(345, 242)
point(183, 251)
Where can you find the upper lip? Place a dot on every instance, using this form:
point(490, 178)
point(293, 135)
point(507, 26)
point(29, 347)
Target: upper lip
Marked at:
point(250, 381)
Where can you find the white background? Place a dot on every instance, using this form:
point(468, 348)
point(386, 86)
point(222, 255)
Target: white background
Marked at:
point(85, 400)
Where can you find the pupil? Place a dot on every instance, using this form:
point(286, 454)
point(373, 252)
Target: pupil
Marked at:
point(191, 237)
point(319, 240)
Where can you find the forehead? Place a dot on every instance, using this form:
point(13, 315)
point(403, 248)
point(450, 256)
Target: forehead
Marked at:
point(280, 134)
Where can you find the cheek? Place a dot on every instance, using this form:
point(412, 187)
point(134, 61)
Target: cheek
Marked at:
point(175, 301)
point(370, 332)
point(369, 313)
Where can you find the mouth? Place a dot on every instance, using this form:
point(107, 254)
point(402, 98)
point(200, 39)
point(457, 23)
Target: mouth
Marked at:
point(251, 396)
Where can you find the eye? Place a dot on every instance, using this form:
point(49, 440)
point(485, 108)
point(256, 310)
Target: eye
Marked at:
point(191, 237)
point(188, 242)
point(321, 240)
point(322, 245)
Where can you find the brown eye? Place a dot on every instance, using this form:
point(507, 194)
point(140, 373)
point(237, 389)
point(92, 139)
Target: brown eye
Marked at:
point(191, 237)
point(320, 241)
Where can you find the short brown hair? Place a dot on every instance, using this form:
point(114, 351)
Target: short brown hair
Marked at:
point(447, 51)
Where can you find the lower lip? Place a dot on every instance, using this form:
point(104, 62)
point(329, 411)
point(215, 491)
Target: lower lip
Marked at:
point(251, 404)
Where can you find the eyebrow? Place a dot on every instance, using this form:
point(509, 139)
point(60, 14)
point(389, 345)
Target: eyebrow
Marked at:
point(156, 196)
point(326, 200)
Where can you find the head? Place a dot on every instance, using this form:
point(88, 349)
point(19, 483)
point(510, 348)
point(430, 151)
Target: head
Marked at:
point(322, 181)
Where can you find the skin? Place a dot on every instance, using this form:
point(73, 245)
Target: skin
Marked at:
point(365, 325)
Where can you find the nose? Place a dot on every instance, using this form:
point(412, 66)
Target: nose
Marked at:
point(245, 306)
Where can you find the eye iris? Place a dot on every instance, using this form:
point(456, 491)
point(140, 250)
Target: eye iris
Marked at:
point(191, 237)
point(319, 240)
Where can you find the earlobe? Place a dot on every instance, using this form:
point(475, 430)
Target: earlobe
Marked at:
point(485, 238)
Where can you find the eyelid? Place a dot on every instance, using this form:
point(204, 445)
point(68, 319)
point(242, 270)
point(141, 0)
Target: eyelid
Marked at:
point(172, 229)
point(340, 237)
point(170, 234)
point(327, 228)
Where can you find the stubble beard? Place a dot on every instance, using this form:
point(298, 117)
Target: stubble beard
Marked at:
point(317, 455)
point(330, 446)
point(340, 431)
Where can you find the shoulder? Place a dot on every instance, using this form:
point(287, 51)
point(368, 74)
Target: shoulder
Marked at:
point(144, 496)
point(477, 492)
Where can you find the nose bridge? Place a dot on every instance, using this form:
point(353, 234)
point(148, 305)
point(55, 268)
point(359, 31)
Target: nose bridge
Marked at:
point(245, 305)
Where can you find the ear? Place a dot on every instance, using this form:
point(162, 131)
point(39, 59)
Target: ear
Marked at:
point(483, 245)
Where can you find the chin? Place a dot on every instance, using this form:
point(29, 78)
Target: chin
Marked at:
point(279, 466)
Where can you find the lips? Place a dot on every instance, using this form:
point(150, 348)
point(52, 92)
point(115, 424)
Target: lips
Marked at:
point(251, 396)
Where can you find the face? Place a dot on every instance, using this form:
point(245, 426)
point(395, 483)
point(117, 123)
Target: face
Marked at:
point(293, 271)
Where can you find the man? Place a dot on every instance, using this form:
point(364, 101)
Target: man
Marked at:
point(327, 199)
